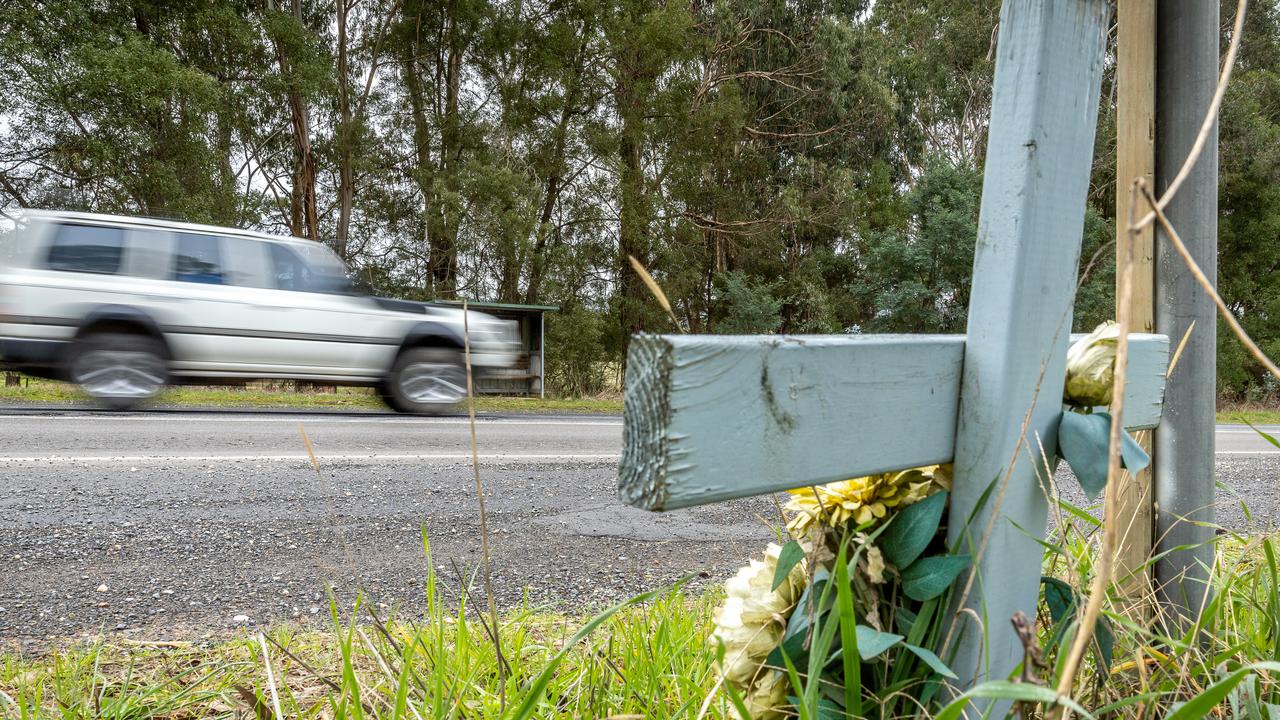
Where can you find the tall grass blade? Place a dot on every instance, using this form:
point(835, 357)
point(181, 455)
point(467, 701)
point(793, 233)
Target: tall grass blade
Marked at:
point(1265, 436)
point(849, 637)
point(1202, 705)
point(1014, 691)
point(533, 695)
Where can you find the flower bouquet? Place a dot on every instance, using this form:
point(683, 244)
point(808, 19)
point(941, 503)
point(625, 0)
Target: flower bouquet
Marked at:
point(840, 620)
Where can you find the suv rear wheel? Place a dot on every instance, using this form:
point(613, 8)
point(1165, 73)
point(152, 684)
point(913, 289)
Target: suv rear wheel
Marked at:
point(426, 380)
point(119, 370)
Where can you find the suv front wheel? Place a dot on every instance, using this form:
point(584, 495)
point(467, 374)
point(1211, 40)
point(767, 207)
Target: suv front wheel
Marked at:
point(426, 380)
point(119, 370)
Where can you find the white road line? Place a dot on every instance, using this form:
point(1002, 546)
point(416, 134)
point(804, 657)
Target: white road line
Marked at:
point(1247, 452)
point(72, 459)
point(316, 420)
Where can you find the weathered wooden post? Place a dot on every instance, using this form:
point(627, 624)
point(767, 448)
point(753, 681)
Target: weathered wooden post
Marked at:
point(1135, 158)
point(1039, 155)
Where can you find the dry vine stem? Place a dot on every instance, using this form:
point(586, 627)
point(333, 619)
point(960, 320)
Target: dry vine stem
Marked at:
point(1102, 574)
point(1206, 127)
point(1205, 283)
point(484, 527)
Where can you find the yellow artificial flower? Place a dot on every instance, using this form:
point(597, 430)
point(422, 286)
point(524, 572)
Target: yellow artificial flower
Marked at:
point(767, 697)
point(753, 616)
point(1091, 367)
point(863, 499)
point(875, 564)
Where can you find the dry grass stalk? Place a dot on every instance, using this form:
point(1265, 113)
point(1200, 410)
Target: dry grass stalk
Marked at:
point(1182, 345)
point(303, 664)
point(311, 451)
point(656, 290)
point(1110, 531)
point(484, 525)
point(271, 679)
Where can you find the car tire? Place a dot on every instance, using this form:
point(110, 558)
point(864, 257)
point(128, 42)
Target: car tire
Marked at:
point(119, 370)
point(426, 381)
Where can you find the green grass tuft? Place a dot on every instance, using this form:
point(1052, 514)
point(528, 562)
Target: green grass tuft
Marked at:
point(640, 659)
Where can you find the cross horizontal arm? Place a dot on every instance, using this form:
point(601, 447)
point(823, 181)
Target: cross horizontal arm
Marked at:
point(713, 417)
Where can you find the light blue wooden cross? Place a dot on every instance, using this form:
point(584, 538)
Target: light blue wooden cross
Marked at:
point(709, 418)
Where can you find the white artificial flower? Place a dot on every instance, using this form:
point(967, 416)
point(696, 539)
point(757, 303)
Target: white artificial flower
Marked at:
point(1091, 367)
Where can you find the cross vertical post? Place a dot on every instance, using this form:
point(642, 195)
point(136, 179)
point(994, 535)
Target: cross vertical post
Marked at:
point(1039, 156)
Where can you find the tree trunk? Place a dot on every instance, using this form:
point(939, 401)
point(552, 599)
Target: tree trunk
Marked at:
point(555, 179)
point(424, 174)
point(303, 216)
point(444, 249)
point(633, 225)
point(538, 261)
point(346, 184)
point(633, 237)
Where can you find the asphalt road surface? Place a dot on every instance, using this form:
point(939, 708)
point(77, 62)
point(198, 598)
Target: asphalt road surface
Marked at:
point(180, 524)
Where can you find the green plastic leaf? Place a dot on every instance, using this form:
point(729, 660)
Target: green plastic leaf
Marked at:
point(1104, 644)
point(1061, 599)
point(826, 709)
point(793, 648)
point(799, 621)
point(930, 659)
point(1132, 456)
point(1084, 441)
point(904, 619)
point(788, 558)
point(929, 577)
point(911, 530)
point(1063, 603)
point(1059, 596)
point(872, 643)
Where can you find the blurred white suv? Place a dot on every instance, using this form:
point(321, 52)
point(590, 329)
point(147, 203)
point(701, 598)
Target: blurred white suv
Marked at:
point(122, 306)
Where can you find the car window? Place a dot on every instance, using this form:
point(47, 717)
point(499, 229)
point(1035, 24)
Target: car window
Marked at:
point(245, 263)
point(149, 254)
point(198, 259)
point(292, 272)
point(86, 249)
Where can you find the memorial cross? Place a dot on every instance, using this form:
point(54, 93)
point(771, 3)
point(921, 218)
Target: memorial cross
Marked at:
point(710, 418)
